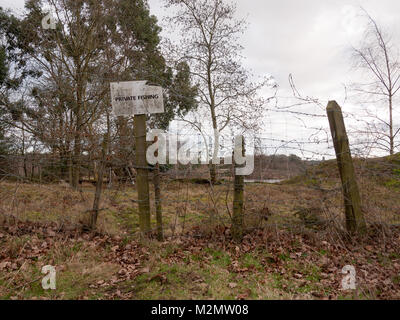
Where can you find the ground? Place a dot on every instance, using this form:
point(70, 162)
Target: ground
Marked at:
point(295, 245)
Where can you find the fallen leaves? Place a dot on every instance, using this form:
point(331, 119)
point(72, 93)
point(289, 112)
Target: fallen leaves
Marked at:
point(369, 248)
point(5, 265)
point(244, 296)
point(300, 261)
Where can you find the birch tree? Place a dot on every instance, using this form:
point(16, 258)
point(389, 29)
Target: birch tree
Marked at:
point(210, 44)
point(378, 59)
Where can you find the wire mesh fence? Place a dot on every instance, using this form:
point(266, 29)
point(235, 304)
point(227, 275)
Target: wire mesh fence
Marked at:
point(283, 191)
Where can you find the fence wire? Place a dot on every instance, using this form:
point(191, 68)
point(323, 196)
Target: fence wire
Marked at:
point(285, 190)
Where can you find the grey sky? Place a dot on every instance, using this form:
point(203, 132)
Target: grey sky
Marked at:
point(312, 40)
point(309, 39)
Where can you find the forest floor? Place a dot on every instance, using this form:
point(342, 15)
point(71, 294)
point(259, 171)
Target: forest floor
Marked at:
point(295, 245)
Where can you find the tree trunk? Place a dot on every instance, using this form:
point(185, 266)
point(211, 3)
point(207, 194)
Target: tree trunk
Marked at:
point(157, 196)
point(213, 167)
point(213, 173)
point(77, 137)
point(391, 136)
point(238, 203)
point(70, 174)
point(76, 161)
point(99, 184)
point(23, 154)
point(211, 92)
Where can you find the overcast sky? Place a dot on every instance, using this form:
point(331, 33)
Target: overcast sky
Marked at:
point(310, 39)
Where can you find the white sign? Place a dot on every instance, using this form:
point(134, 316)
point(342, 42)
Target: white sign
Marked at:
point(135, 97)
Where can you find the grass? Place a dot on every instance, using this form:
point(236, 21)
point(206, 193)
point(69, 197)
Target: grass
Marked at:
point(199, 281)
point(250, 261)
point(186, 205)
point(176, 271)
point(77, 268)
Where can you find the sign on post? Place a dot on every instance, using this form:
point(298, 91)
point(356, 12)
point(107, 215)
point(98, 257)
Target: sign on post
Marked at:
point(135, 97)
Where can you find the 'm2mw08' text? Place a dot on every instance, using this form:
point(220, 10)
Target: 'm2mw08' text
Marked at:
point(222, 310)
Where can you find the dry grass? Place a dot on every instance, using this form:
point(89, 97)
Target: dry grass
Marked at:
point(186, 204)
point(308, 206)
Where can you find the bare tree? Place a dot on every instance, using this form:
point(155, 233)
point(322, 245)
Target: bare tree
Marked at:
point(378, 59)
point(210, 45)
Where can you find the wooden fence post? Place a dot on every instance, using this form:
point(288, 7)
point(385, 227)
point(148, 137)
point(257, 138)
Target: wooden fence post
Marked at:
point(157, 197)
point(238, 200)
point(355, 221)
point(142, 179)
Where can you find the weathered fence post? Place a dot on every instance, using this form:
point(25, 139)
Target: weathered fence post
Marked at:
point(99, 183)
point(355, 221)
point(139, 99)
point(157, 197)
point(142, 179)
point(238, 197)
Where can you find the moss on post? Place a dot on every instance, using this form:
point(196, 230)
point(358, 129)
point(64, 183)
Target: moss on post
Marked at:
point(355, 221)
point(142, 178)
